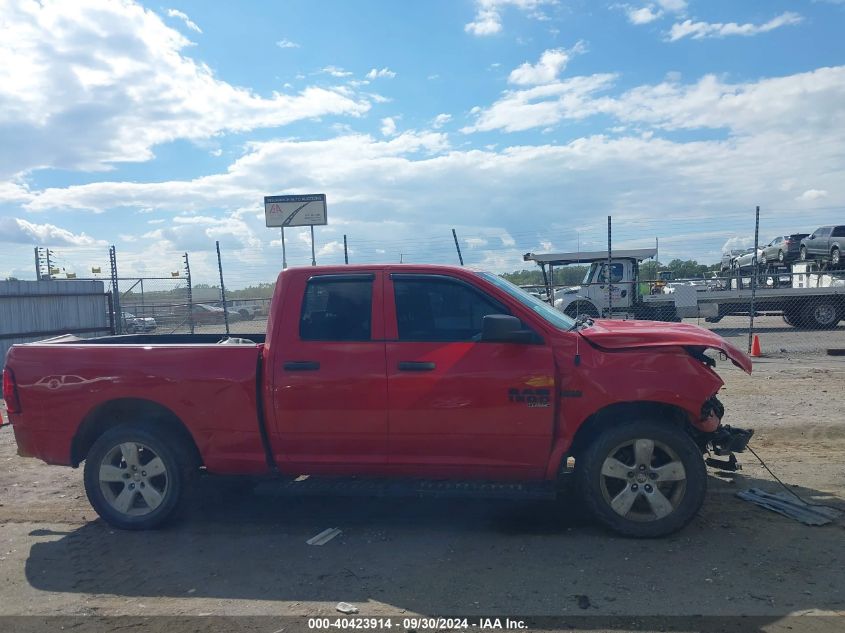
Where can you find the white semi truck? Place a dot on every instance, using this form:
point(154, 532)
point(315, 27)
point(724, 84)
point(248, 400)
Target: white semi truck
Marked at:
point(803, 294)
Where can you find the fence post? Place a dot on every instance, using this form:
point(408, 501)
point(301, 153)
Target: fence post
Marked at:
point(190, 295)
point(754, 277)
point(609, 272)
point(458, 247)
point(118, 315)
point(222, 288)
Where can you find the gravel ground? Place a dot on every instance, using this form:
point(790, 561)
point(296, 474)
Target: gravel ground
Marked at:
point(246, 555)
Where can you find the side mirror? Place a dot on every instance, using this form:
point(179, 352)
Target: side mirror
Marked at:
point(503, 328)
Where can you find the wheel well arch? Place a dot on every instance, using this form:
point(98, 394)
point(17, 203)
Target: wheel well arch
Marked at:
point(113, 413)
point(592, 427)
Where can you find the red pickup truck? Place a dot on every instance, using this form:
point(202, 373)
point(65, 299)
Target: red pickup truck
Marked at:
point(409, 373)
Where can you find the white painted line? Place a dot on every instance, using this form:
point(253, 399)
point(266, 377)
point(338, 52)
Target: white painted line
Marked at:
point(323, 537)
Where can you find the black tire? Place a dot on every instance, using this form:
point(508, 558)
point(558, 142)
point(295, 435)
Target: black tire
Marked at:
point(835, 258)
point(124, 484)
point(246, 315)
point(781, 257)
point(803, 254)
point(821, 314)
point(641, 520)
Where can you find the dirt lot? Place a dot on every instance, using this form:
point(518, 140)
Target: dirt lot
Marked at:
point(248, 556)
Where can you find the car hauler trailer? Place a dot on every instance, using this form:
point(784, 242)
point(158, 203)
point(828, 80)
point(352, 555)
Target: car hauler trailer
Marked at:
point(804, 295)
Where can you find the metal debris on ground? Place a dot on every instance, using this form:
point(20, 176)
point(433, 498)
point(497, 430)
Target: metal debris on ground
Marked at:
point(790, 506)
point(345, 607)
point(323, 537)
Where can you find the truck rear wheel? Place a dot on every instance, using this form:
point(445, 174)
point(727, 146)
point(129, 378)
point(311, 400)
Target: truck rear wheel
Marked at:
point(823, 314)
point(135, 476)
point(642, 478)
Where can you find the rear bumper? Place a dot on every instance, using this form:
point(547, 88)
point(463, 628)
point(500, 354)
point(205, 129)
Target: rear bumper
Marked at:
point(45, 445)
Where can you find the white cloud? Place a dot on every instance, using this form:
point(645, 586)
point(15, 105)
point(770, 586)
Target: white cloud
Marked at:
point(546, 70)
point(738, 243)
point(643, 15)
point(175, 13)
point(700, 30)
point(18, 231)
point(541, 106)
point(707, 104)
point(675, 6)
point(813, 194)
point(329, 248)
point(388, 126)
point(108, 81)
point(283, 43)
point(440, 120)
point(488, 14)
point(771, 131)
point(475, 242)
point(376, 73)
point(336, 71)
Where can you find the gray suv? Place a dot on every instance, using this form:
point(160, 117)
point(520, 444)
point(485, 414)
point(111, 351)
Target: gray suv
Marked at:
point(826, 242)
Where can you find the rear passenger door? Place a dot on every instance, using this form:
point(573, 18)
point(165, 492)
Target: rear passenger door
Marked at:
point(330, 383)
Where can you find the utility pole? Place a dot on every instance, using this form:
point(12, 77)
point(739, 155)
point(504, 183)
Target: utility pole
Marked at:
point(222, 288)
point(458, 247)
point(190, 294)
point(115, 290)
point(345, 251)
point(609, 271)
point(754, 277)
point(284, 255)
point(313, 259)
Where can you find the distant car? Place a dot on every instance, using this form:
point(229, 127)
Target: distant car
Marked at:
point(728, 258)
point(825, 243)
point(203, 313)
point(132, 323)
point(746, 260)
point(246, 311)
point(783, 249)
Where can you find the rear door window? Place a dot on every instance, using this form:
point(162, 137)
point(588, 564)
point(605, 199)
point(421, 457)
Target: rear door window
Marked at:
point(337, 310)
point(839, 231)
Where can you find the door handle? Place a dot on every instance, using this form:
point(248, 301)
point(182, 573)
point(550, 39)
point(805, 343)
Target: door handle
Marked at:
point(408, 365)
point(301, 365)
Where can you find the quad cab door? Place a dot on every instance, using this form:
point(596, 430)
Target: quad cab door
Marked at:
point(329, 379)
point(461, 407)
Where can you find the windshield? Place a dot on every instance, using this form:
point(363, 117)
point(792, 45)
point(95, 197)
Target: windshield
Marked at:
point(555, 317)
point(589, 276)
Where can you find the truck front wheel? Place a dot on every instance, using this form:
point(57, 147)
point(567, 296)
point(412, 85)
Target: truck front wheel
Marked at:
point(642, 478)
point(135, 476)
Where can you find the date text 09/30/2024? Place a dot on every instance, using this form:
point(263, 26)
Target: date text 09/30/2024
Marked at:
point(416, 623)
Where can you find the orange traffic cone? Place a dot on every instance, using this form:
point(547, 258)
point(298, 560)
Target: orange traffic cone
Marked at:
point(755, 347)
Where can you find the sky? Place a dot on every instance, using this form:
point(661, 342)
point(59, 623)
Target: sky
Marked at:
point(522, 124)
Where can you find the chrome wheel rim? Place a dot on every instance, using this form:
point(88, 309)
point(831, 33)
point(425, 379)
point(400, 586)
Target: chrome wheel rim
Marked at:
point(824, 314)
point(834, 256)
point(643, 480)
point(780, 256)
point(133, 479)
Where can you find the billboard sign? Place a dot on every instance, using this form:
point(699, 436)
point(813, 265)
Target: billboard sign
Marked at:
point(295, 210)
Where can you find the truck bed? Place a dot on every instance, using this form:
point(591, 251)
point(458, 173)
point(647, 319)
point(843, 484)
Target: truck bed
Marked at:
point(212, 388)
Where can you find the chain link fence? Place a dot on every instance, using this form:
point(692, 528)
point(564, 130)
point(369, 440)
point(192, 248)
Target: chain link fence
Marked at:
point(793, 305)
